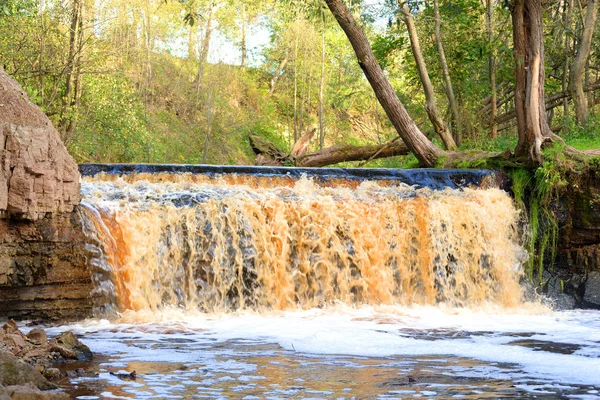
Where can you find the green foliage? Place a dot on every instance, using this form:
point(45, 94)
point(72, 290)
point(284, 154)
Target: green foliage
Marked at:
point(583, 137)
point(113, 125)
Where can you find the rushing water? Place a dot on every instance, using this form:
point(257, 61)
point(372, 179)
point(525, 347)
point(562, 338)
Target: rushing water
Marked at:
point(246, 287)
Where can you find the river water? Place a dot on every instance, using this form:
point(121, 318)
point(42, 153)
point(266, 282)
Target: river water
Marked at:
point(243, 287)
point(341, 352)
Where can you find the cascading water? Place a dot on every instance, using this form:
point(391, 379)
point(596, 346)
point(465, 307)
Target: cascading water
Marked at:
point(237, 241)
point(301, 284)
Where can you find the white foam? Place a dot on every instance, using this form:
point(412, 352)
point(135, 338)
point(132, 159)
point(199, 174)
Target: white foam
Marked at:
point(373, 332)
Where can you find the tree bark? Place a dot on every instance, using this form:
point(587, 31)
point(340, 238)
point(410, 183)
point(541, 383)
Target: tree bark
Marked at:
point(581, 59)
point(425, 151)
point(492, 68)
point(530, 105)
point(440, 126)
point(445, 70)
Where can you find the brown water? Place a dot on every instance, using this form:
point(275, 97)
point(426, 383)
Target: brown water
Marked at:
point(241, 242)
point(252, 287)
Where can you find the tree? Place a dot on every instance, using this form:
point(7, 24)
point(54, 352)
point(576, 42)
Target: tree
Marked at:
point(581, 59)
point(440, 126)
point(447, 80)
point(425, 151)
point(530, 104)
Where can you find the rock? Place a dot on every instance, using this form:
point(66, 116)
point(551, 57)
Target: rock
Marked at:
point(37, 175)
point(63, 351)
point(15, 372)
point(17, 342)
point(592, 290)
point(68, 341)
point(37, 336)
point(29, 392)
point(131, 376)
point(10, 327)
point(44, 273)
point(52, 373)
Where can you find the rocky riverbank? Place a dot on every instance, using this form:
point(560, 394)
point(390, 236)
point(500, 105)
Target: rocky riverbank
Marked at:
point(28, 361)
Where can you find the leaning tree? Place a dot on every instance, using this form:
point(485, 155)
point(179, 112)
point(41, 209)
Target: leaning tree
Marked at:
point(532, 123)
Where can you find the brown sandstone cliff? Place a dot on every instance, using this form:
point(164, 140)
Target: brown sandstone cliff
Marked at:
point(43, 269)
point(37, 175)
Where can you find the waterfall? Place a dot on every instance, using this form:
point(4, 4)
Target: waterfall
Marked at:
point(223, 242)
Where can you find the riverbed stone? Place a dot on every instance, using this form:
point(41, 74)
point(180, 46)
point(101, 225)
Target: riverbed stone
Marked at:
point(68, 342)
point(37, 174)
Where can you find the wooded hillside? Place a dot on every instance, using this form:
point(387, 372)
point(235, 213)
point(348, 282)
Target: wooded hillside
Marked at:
point(187, 81)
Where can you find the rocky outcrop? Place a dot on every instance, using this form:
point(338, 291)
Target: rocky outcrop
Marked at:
point(44, 272)
point(573, 279)
point(27, 361)
point(37, 175)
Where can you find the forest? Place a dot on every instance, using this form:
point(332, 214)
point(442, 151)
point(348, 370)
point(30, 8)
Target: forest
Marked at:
point(190, 81)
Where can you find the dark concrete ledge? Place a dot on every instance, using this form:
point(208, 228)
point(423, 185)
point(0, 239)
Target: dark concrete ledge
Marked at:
point(430, 178)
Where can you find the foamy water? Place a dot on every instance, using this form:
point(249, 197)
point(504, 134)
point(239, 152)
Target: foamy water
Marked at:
point(343, 352)
point(244, 287)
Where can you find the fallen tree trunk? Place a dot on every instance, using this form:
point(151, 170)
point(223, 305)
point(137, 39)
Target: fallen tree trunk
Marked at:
point(268, 153)
point(552, 101)
point(338, 154)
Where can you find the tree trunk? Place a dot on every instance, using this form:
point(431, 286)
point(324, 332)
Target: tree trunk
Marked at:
point(205, 48)
point(438, 123)
point(77, 86)
point(301, 147)
point(567, 12)
point(269, 154)
point(445, 70)
point(492, 68)
point(243, 44)
point(192, 42)
point(71, 60)
point(530, 105)
point(295, 87)
point(279, 71)
point(209, 121)
point(581, 59)
point(147, 50)
point(425, 151)
point(322, 87)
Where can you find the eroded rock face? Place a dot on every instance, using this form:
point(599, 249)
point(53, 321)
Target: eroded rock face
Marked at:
point(37, 175)
point(44, 271)
point(574, 278)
